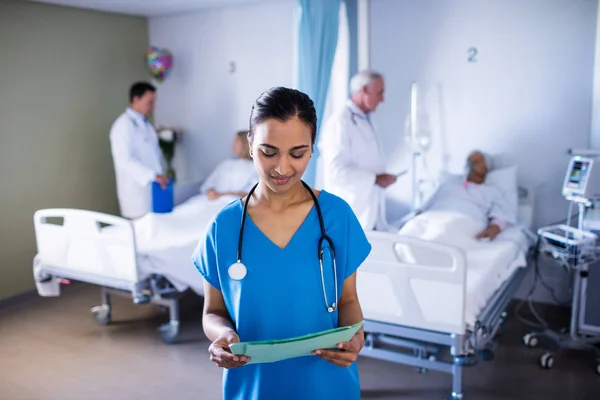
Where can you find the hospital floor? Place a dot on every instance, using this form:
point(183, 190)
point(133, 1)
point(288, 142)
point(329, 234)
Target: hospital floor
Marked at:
point(52, 349)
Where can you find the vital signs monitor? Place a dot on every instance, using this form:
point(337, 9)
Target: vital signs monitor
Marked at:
point(582, 179)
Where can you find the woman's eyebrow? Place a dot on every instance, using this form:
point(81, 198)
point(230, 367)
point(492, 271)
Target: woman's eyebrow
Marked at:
point(270, 146)
point(304, 146)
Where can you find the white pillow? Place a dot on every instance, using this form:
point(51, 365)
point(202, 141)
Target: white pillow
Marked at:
point(505, 179)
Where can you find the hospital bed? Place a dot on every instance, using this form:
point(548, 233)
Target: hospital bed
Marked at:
point(448, 299)
point(147, 259)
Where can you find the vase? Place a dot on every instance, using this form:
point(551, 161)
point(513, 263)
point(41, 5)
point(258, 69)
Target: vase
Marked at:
point(171, 173)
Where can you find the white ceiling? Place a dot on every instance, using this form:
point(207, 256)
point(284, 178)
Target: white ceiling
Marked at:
point(148, 8)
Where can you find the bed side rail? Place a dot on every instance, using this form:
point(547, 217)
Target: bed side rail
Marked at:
point(86, 243)
point(413, 282)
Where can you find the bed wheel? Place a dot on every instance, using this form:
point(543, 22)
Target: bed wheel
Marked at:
point(102, 314)
point(465, 361)
point(169, 332)
point(547, 360)
point(486, 355)
point(141, 299)
point(531, 340)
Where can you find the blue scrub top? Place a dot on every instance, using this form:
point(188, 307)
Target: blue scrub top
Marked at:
point(282, 297)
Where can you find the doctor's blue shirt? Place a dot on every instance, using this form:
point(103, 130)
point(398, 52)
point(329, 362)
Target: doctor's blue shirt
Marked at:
point(282, 297)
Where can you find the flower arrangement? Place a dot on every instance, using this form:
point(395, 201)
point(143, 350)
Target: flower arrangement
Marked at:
point(167, 140)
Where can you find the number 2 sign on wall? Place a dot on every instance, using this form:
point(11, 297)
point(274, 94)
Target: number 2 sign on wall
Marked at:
point(472, 54)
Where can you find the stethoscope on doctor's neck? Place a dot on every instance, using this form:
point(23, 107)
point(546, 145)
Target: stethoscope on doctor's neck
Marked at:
point(238, 270)
point(354, 114)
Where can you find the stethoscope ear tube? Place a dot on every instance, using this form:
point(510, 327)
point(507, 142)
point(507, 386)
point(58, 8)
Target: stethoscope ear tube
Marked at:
point(320, 248)
point(239, 249)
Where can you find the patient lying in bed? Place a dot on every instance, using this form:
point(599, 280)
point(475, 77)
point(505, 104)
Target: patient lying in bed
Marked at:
point(232, 177)
point(462, 210)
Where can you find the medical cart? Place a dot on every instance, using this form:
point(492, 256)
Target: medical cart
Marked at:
point(576, 249)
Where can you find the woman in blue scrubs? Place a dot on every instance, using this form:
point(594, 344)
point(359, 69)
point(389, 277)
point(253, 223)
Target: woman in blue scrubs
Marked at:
point(278, 292)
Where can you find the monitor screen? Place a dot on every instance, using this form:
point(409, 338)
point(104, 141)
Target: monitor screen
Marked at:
point(578, 173)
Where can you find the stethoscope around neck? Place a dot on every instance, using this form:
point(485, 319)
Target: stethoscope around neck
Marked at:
point(238, 270)
point(354, 114)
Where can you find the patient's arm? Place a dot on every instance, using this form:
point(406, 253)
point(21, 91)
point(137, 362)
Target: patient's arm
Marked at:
point(500, 214)
point(496, 225)
point(213, 194)
point(238, 194)
point(490, 232)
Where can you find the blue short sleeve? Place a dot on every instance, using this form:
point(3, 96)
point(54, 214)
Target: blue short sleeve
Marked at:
point(205, 257)
point(357, 244)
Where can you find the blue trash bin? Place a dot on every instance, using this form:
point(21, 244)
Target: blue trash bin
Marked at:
point(162, 199)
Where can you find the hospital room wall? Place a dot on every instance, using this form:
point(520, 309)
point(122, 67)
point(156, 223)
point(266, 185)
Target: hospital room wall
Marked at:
point(526, 95)
point(64, 76)
point(203, 94)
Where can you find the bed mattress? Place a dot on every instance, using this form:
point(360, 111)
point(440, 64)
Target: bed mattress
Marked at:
point(487, 270)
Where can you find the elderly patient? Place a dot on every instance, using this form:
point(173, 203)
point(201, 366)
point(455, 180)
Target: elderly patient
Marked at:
point(468, 206)
point(234, 176)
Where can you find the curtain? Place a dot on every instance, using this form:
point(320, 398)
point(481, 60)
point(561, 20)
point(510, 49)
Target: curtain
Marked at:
point(337, 94)
point(317, 42)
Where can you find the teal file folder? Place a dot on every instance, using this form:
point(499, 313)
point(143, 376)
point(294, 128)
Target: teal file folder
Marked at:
point(276, 350)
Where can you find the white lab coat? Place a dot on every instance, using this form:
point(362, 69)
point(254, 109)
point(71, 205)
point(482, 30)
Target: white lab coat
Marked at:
point(351, 158)
point(137, 160)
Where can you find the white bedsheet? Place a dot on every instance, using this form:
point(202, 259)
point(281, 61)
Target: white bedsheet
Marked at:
point(165, 242)
point(487, 270)
point(489, 264)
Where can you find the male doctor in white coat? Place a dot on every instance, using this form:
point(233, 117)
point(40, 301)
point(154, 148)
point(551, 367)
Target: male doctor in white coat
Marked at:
point(353, 164)
point(136, 154)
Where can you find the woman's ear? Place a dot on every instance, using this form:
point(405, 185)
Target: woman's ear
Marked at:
point(249, 137)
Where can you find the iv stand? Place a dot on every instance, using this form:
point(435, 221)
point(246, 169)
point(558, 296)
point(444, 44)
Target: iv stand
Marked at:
point(413, 141)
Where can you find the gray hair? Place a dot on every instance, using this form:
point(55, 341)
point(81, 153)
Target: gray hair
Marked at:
point(488, 160)
point(363, 78)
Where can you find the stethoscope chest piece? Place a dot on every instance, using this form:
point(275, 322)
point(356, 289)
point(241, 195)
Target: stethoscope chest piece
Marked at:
point(237, 271)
